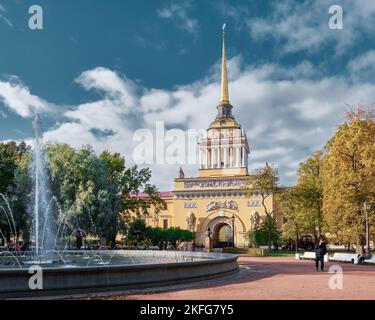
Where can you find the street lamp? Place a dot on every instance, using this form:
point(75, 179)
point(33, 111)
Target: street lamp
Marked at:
point(209, 232)
point(367, 208)
point(233, 218)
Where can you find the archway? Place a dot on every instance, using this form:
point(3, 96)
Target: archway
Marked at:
point(217, 217)
point(222, 235)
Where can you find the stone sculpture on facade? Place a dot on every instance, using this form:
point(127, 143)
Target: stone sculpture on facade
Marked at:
point(191, 219)
point(181, 173)
point(214, 205)
point(254, 220)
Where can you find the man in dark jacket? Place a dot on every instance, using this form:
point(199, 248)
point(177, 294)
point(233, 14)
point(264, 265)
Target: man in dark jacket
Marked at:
point(321, 250)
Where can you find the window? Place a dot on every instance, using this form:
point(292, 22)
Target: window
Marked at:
point(165, 224)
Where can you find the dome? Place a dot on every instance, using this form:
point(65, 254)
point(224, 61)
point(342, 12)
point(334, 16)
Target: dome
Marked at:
point(220, 123)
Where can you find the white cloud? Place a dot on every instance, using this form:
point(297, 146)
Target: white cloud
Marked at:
point(3, 17)
point(264, 153)
point(178, 12)
point(363, 66)
point(155, 100)
point(109, 83)
point(303, 25)
point(18, 98)
point(285, 119)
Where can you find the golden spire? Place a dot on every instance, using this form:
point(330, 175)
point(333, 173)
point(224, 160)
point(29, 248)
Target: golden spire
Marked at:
point(224, 80)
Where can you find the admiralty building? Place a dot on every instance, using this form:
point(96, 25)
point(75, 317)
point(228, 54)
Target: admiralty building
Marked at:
point(216, 198)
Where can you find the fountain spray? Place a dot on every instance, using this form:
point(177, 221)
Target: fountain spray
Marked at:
point(43, 231)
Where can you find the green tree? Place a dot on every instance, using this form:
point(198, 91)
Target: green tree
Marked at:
point(138, 231)
point(173, 236)
point(78, 181)
point(302, 205)
point(13, 186)
point(156, 235)
point(176, 235)
point(134, 182)
point(293, 218)
point(111, 202)
point(309, 192)
point(18, 194)
point(10, 155)
point(265, 182)
point(260, 236)
point(100, 192)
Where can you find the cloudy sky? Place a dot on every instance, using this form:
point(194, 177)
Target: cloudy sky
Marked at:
point(100, 71)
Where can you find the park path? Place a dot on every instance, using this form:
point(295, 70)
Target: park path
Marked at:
point(275, 278)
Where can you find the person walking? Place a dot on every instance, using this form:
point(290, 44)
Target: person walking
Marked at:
point(321, 250)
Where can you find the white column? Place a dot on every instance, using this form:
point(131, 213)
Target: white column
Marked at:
point(203, 159)
point(238, 156)
point(200, 158)
point(212, 157)
point(225, 150)
point(230, 157)
point(218, 157)
point(207, 160)
point(243, 156)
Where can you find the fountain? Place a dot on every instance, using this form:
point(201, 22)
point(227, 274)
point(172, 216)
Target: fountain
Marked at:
point(69, 271)
point(42, 213)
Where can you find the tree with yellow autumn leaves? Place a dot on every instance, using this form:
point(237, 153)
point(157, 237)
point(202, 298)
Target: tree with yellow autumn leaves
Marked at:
point(332, 186)
point(348, 177)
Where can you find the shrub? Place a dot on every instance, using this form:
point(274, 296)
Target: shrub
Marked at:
point(260, 236)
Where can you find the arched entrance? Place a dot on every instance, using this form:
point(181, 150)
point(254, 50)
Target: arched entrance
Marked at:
point(215, 221)
point(222, 235)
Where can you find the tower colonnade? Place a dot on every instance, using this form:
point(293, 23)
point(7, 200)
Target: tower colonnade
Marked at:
point(225, 153)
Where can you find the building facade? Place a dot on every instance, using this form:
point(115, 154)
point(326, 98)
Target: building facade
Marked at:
point(217, 199)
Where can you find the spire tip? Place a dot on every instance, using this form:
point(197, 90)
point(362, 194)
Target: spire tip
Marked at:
point(224, 99)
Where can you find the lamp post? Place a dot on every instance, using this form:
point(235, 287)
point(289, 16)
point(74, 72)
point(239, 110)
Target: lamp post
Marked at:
point(367, 207)
point(233, 218)
point(209, 232)
point(208, 241)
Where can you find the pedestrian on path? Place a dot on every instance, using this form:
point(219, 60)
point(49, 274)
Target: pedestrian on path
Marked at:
point(321, 250)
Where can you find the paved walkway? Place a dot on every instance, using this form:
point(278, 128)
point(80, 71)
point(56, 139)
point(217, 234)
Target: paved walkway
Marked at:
point(275, 278)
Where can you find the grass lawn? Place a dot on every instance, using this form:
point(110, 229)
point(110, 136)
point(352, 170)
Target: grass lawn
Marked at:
point(273, 253)
point(281, 253)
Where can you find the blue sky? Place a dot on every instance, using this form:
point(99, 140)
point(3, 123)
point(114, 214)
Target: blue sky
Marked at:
point(99, 70)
